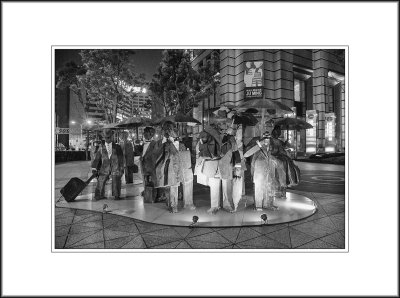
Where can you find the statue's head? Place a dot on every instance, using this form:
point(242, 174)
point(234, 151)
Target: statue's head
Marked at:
point(148, 132)
point(276, 132)
point(169, 130)
point(108, 135)
point(124, 136)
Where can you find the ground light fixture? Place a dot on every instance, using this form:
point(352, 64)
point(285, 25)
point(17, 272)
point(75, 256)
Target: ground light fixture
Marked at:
point(194, 221)
point(264, 217)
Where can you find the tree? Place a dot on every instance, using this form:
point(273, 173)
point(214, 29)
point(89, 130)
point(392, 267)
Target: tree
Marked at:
point(68, 77)
point(110, 79)
point(209, 78)
point(175, 82)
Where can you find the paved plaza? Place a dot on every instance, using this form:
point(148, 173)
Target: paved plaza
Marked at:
point(86, 229)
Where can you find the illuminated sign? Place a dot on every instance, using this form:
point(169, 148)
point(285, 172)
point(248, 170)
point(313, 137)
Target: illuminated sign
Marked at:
point(254, 79)
point(330, 140)
point(311, 133)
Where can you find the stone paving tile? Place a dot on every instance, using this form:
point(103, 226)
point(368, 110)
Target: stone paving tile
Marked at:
point(298, 238)
point(319, 214)
point(266, 229)
point(338, 220)
point(183, 231)
point(78, 218)
point(64, 215)
point(64, 211)
point(148, 227)
point(334, 208)
point(317, 244)
point(92, 224)
point(118, 242)
point(204, 245)
point(166, 233)
point(93, 217)
point(156, 240)
point(335, 239)
point(313, 229)
point(211, 237)
point(64, 221)
point(110, 234)
point(183, 245)
point(80, 212)
point(200, 231)
point(98, 245)
point(109, 222)
point(170, 245)
point(246, 234)
point(137, 242)
point(96, 237)
point(74, 238)
point(76, 229)
point(282, 236)
point(327, 222)
point(261, 242)
point(325, 201)
point(230, 234)
point(60, 241)
point(62, 230)
point(128, 228)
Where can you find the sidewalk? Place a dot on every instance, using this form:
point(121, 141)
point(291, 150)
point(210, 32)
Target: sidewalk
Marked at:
point(82, 229)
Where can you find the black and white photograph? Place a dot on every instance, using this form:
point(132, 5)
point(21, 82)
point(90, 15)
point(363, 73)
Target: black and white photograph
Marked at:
point(199, 148)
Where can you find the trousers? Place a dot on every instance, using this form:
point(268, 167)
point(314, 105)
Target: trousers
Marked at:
point(101, 183)
point(187, 193)
point(129, 174)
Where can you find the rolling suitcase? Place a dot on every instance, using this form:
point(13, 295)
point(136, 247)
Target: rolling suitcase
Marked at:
point(74, 187)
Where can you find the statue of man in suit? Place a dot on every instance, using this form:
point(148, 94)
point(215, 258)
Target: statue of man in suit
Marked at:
point(110, 160)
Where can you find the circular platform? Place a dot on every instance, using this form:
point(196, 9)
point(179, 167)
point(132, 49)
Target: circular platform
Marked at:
point(293, 208)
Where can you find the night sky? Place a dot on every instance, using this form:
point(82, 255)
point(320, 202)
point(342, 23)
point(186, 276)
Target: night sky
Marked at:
point(146, 61)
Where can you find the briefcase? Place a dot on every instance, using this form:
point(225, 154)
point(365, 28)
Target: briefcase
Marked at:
point(74, 187)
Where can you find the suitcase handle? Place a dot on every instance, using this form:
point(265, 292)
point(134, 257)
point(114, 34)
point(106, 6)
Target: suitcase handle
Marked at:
point(90, 178)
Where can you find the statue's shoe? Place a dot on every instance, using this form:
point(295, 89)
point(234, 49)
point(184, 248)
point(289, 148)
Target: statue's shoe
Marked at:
point(213, 210)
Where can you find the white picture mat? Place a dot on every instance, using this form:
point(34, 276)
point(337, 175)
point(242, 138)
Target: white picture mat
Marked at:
point(29, 31)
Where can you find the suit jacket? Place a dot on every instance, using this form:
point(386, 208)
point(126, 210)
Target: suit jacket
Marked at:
point(109, 166)
point(168, 167)
point(147, 160)
point(127, 150)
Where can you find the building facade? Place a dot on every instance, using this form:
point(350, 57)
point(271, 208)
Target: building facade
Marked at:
point(310, 81)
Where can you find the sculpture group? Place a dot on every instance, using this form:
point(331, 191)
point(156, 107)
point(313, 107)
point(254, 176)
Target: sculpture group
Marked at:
point(166, 167)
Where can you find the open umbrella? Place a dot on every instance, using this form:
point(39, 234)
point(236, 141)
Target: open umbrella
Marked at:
point(266, 105)
point(295, 124)
point(178, 118)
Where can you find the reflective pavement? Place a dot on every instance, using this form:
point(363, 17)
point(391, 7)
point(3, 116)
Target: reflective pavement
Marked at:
point(93, 229)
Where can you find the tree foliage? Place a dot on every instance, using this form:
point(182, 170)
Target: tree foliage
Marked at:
point(68, 77)
point(110, 78)
point(177, 86)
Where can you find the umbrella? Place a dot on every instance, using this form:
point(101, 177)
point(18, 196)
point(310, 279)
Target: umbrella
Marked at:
point(179, 118)
point(134, 122)
point(265, 104)
point(293, 124)
point(244, 119)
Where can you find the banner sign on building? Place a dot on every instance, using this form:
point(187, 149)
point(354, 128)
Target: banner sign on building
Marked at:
point(67, 131)
point(311, 133)
point(330, 139)
point(254, 79)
